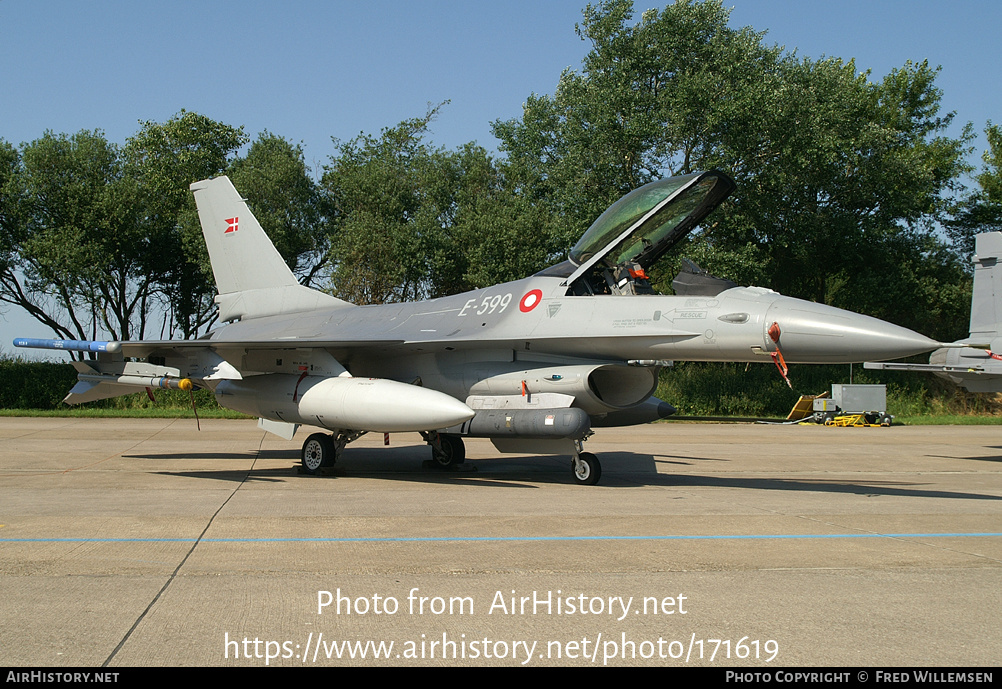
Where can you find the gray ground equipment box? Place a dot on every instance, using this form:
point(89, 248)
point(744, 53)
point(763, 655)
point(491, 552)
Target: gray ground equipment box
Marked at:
point(869, 401)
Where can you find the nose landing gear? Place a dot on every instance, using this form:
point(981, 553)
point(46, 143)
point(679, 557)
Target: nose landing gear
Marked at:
point(447, 451)
point(586, 467)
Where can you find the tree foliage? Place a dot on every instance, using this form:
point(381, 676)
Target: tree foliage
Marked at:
point(287, 202)
point(991, 178)
point(95, 239)
point(91, 239)
point(981, 209)
point(162, 160)
point(412, 221)
point(652, 100)
point(75, 257)
point(839, 176)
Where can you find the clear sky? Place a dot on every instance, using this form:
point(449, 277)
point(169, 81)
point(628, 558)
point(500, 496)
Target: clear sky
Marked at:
point(313, 70)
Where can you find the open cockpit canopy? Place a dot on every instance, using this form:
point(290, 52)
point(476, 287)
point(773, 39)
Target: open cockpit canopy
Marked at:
point(649, 221)
point(633, 233)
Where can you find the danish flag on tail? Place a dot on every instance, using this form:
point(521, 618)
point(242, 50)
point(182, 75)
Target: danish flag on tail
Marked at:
point(231, 225)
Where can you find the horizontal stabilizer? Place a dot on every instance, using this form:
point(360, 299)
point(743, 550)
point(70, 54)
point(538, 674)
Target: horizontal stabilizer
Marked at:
point(102, 380)
point(257, 303)
point(89, 391)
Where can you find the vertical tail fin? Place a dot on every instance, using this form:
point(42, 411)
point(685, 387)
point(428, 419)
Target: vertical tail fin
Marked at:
point(251, 277)
point(986, 307)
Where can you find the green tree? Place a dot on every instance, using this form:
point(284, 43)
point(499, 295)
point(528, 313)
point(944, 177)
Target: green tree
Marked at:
point(840, 200)
point(75, 259)
point(837, 175)
point(10, 165)
point(162, 160)
point(385, 195)
point(652, 100)
point(991, 178)
point(498, 235)
point(95, 237)
point(980, 210)
point(411, 221)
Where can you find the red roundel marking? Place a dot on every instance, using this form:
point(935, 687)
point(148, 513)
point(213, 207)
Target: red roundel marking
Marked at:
point(530, 300)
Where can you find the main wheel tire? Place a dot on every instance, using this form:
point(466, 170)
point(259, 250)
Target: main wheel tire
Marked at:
point(453, 451)
point(318, 453)
point(587, 469)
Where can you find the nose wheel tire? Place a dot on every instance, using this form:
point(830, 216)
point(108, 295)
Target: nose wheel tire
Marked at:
point(318, 453)
point(452, 451)
point(587, 469)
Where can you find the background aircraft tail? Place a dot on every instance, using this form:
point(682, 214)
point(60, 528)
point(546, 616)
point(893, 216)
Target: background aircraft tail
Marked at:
point(986, 307)
point(252, 278)
point(973, 362)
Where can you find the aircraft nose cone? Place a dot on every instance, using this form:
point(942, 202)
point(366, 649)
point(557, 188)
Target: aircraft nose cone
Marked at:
point(810, 332)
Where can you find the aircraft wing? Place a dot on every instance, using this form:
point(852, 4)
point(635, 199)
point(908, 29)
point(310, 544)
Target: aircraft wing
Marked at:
point(604, 346)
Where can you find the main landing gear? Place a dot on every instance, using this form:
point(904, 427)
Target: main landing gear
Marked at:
point(318, 453)
point(321, 450)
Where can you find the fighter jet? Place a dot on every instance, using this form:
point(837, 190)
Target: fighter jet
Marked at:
point(535, 365)
point(972, 363)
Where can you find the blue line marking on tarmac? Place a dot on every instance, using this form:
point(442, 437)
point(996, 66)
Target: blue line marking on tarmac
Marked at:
point(503, 539)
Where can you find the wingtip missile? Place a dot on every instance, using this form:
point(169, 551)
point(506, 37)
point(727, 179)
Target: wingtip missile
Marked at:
point(111, 347)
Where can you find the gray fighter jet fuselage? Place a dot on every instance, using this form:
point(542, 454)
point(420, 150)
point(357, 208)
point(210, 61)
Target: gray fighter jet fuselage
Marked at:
point(533, 364)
